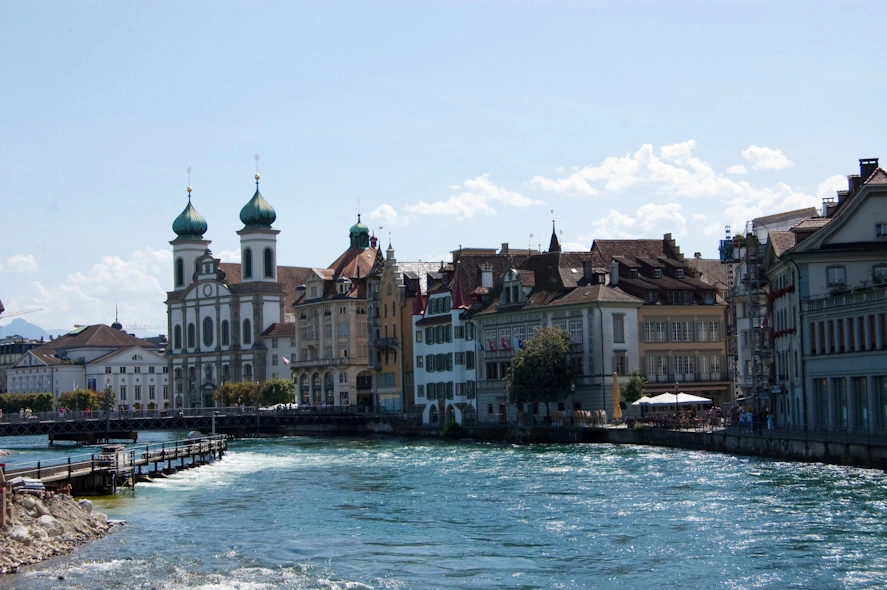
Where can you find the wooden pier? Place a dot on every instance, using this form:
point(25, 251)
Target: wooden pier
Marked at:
point(119, 465)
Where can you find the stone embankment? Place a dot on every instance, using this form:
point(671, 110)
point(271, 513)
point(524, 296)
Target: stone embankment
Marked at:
point(40, 526)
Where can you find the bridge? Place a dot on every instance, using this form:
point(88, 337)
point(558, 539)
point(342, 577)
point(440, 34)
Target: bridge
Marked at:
point(117, 465)
point(102, 427)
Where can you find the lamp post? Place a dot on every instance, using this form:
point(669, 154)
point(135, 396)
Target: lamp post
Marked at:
point(677, 406)
point(107, 410)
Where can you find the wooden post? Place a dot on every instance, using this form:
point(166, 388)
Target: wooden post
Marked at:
point(3, 496)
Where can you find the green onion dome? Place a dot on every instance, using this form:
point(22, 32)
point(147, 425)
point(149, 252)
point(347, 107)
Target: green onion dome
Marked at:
point(258, 212)
point(189, 223)
point(359, 234)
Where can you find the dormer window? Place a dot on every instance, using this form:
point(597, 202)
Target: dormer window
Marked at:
point(657, 272)
point(881, 230)
point(633, 273)
point(680, 272)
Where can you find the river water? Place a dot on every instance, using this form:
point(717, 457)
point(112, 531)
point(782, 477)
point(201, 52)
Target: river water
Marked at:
point(388, 513)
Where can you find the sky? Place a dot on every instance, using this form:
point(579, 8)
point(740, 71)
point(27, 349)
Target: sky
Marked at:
point(442, 123)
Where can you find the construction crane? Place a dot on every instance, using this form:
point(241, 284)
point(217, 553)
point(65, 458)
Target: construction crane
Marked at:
point(23, 312)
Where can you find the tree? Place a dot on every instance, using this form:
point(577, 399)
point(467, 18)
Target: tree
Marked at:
point(278, 391)
point(636, 388)
point(79, 399)
point(540, 372)
point(107, 399)
point(229, 394)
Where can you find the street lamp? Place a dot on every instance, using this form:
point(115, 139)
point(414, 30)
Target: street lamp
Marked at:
point(677, 406)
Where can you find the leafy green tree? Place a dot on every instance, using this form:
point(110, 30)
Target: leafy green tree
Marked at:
point(540, 372)
point(636, 388)
point(106, 399)
point(38, 402)
point(278, 391)
point(79, 399)
point(246, 393)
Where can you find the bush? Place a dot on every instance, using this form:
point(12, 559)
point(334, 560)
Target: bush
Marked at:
point(451, 430)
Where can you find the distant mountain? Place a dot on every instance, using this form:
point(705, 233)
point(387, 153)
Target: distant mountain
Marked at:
point(24, 328)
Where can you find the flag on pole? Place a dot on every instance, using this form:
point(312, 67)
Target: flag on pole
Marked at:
point(286, 361)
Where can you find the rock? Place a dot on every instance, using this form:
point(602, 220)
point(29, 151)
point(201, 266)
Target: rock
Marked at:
point(102, 518)
point(20, 534)
point(53, 527)
point(40, 509)
point(28, 502)
point(86, 505)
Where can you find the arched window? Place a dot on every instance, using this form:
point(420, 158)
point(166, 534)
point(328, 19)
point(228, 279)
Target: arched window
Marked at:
point(178, 372)
point(226, 333)
point(177, 337)
point(247, 263)
point(247, 332)
point(207, 331)
point(432, 415)
point(180, 272)
point(192, 336)
point(248, 372)
point(269, 263)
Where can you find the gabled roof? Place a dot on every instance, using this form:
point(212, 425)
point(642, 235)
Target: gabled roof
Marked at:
point(123, 350)
point(55, 352)
point(357, 263)
point(280, 330)
point(781, 241)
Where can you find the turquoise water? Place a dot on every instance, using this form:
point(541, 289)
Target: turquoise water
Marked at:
point(388, 513)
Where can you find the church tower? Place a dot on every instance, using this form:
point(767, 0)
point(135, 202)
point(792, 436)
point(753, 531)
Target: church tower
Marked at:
point(258, 241)
point(189, 226)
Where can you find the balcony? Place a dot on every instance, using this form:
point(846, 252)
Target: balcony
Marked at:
point(386, 343)
point(333, 362)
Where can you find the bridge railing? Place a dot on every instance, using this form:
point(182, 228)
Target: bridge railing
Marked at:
point(72, 415)
point(116, 458)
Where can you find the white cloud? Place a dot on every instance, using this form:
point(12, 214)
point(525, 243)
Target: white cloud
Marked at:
point(737, 169)
point(699, 216)
point(829, 187)
point(767, 158)
point(22, 263)
point(614, 225)
point(652, 216)
point(477, 198)
point(137, 287)
point(575, 247)
point(387, 215)
point(674, 172)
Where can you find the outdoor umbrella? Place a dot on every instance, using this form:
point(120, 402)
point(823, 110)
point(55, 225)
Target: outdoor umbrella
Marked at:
point(617, 410)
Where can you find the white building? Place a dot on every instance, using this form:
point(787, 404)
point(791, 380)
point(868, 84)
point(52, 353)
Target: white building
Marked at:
point(829, 313)
point(95, 357)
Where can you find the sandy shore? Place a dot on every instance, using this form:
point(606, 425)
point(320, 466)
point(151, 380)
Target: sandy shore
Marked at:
point(41, 526)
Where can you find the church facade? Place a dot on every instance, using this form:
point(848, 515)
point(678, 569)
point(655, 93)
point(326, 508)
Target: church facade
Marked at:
point(217, 312)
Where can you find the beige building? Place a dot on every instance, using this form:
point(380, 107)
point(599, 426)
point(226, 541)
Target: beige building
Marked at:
point(331, 357)
point(682, 322)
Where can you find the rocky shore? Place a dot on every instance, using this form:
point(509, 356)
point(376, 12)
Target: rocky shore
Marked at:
point(40, 526)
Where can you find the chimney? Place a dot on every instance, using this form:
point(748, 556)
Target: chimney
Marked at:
point(486, 275)
point(504, 249)
point(587, 270)
point(614, 273)
point(373, 241)
point(853, 183)
point(866, 167)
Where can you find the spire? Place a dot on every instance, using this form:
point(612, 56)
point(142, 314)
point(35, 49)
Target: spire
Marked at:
point(258, 212)
point(419, 303)
point(116, 325)
point(554, 245)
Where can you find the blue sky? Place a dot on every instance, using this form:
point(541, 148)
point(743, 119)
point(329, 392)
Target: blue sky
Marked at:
point(442, 123)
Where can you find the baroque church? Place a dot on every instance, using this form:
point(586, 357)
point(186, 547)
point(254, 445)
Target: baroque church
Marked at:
point(218, 311)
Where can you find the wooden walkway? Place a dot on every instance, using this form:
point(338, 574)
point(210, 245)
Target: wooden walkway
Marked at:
point(119, 464)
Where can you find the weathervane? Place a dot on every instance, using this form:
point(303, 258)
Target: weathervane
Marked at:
point(189, 184)
point(257, 171)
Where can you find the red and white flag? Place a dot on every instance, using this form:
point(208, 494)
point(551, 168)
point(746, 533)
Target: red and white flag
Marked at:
point(286, 361)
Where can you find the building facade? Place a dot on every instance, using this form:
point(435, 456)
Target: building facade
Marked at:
point(218, 312)
point(828, 306)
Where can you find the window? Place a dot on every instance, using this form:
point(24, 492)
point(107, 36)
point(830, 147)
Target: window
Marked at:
point(680, 273)
point(166, 392)
point(226, 333)
point(137, 393)
point(881, 230)
point(247, 332)
point(180, 272)
point(418, 335)
point(459, 332)
point(207, 331)
point(274, 343)
point(619, 329)
point(151, 369)
point(273, 360)
point(152, 395)
point(681, 332)
point(121, 370)
point(177, 337)
point(620, 363)
point(192, 336)
point(137, 370)
point(420, 391)
point(657, 272)
point(247, 263)
point(268, 259)
point(107, 369)
point(655, 331)
point(123, 393)
point(248, 371)
point(683, 364)
point(575, 332)
point(879, 273)
point(836, 276)
point(460, 358)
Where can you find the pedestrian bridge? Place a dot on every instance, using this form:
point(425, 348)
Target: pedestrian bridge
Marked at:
point(101, 427)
